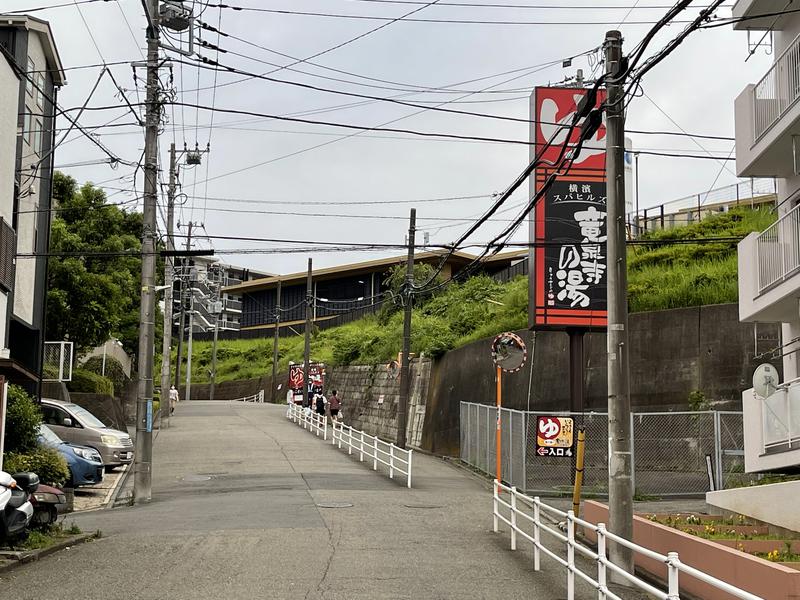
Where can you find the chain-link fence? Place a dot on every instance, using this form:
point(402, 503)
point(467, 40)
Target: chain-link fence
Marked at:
point(57, 364)
point(674, 453)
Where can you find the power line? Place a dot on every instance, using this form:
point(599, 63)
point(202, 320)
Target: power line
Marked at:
point(40, 8)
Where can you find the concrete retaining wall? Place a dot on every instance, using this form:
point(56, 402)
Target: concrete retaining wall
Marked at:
point(370, 395)
point(106, 408)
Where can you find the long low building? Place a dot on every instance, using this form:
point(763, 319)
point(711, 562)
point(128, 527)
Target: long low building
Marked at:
point(355, 288)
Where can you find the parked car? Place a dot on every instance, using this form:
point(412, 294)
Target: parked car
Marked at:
point(75, 424)
point(85, 464)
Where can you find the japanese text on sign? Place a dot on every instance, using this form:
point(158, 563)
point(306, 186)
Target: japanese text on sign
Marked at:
point(554, 436)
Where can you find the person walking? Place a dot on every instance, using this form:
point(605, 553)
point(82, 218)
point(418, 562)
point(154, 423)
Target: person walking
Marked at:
point(319, 402)
point(173, 399)
point(335, 403)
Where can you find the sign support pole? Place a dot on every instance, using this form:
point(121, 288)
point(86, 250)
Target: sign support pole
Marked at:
point(499, 433)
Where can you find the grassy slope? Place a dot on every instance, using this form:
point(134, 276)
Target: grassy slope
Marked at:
point(660, 277)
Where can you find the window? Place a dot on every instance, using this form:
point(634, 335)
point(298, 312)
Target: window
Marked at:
point(39, 91)
point(8, 248)
point(38, 136)
point(31, 76)
point(27, 128)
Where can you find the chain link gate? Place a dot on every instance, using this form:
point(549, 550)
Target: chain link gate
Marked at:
point(671, 451)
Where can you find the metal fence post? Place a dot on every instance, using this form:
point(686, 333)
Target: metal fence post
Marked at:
point(409, 468)
point(601, 561)
point(361, 448)
point(510, 447)
point(375, 454)
point(673, 587)
point(325, 429)
point(720, 480)
point(536, 538)
point(513, 518)
point(633, 453)
point(570, 555)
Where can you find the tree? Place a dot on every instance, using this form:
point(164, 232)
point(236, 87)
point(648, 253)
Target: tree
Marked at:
point(92, 297)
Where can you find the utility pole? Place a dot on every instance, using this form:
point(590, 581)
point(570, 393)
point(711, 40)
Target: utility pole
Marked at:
point(405, 373)
point(181, 325)
point(190, 291)
point(273, 393)
point(169, 275)
point(307, 349)
point(217, 301)
point(142, 470)
point(620, 490)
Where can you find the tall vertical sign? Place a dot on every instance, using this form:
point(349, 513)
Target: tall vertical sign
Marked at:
point(568, 228)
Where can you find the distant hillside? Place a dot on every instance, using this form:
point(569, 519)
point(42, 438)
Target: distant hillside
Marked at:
point(659, 277)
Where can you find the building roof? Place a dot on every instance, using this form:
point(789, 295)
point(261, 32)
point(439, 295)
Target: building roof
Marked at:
point(48, 41)
point(378, 265)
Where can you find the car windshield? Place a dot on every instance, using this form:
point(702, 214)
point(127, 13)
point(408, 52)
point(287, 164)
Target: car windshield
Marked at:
point(49, 436)
point(85, 416)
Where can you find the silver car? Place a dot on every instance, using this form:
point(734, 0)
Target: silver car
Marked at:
point(75, 424)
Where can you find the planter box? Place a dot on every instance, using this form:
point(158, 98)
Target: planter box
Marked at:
point(740, 529)
point(760, 545)
point(703, 518)
point(756, 575)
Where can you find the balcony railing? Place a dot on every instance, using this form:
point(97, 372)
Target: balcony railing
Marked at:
point(232, 305)
point(780, 414)
point(779, 250)
point(778, 90)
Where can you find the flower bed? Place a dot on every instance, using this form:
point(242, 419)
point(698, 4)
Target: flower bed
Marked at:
point(765, 578)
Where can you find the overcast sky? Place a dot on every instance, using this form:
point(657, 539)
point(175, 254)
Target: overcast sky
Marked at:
point(276, 160)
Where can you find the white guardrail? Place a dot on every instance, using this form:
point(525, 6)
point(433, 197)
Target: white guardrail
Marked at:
point(259, 397)
point(397, 460)
point(309, 420)
point(527, 509)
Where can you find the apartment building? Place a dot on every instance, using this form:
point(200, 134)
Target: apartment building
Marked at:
point(767, 117)
point(30, 75)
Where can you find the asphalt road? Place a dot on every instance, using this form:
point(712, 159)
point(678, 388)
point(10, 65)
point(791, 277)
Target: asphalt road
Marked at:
point(237, 512)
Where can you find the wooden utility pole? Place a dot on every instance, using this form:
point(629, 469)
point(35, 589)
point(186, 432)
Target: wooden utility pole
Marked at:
point(307, 348)
point(620, 489)
point(190, 291)
point(169, 275)
point(216, 313)
point(142, 469)
point(405, 373)
point(273, 393)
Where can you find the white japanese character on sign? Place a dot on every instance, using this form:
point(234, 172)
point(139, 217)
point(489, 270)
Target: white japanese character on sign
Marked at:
point(591, 223)
point(573, 188)
point(586, 188)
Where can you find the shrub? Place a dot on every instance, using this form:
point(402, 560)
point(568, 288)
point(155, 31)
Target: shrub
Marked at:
point(91, 383)
point(23, 418)
point(47, 463)
point(114, 370)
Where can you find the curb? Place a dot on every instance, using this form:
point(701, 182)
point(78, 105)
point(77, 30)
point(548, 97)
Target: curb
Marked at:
point(14, 559)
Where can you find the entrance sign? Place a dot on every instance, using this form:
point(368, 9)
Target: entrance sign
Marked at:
point(569, 274)
point(554, 436)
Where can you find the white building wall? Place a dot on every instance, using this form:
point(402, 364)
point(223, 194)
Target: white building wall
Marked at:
point(30, 190)
point(9, 87)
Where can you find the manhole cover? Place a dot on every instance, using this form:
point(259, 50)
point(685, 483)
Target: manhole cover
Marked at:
point(334, 504)
point(423, 505)
point(195, 478)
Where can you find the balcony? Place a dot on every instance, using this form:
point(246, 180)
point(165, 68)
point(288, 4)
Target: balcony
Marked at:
point(230, 305)
point(772, 428)
point(749, 8)
point(768, 119)
point(769, 271)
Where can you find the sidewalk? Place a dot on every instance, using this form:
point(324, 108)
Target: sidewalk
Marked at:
point(241, 505)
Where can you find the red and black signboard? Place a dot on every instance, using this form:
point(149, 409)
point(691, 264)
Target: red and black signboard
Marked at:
point(570, 220)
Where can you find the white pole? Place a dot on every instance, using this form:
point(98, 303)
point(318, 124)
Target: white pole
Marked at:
point(103, 368)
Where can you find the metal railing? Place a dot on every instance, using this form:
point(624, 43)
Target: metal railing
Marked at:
point(521, 510)
point(232, 305)
point(777, 91)
point(259, 397)
point(778, 249)
point(385, 453)
point(308, 420)
point(670, 451)
point(780, 418)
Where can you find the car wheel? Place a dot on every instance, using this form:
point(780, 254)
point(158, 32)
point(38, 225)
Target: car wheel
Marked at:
point(110, 468)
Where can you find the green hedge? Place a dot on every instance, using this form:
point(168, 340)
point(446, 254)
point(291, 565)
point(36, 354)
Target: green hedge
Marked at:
point(47, 463)
point(84, 381)
point(114, 370)
point(23, 418)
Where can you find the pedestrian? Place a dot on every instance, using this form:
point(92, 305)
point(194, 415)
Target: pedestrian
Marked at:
point(335, 403)
point(319, 402)
point(173, 399)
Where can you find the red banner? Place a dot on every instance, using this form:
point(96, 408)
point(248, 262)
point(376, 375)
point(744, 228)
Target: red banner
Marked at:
point(570, 220)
